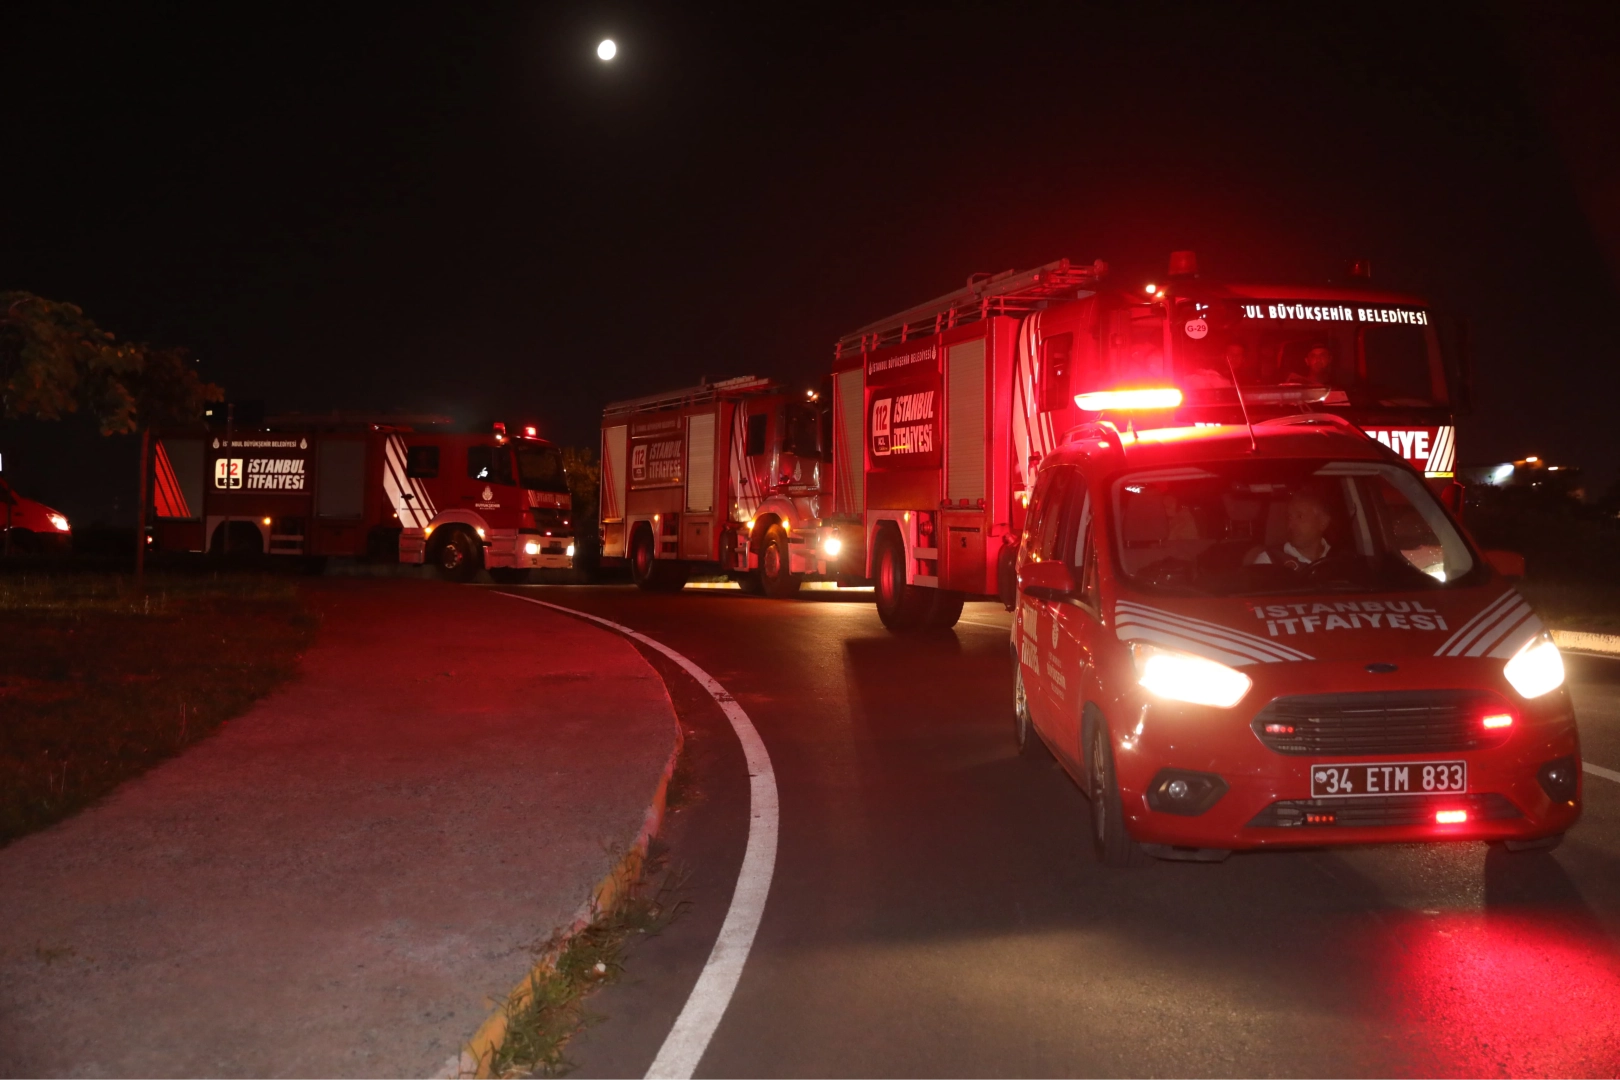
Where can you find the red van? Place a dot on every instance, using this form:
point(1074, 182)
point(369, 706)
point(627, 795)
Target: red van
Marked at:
point(1277, 636)
point(29, 526)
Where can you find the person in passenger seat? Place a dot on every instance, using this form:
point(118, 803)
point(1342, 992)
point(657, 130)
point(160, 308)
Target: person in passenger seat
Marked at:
point(1308, 519)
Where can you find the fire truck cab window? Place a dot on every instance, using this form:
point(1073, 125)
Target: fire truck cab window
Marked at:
point(756, 434)
point(491, 464)
point(422, 462)
point(541, 467)
point(1056, 353)
point(803, 430)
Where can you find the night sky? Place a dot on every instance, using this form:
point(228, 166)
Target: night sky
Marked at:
point(460, 210)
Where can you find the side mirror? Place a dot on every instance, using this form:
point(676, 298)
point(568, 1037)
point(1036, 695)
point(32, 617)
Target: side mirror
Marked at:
point(1451, 497)
point(1047, 581)
point(1510, 564)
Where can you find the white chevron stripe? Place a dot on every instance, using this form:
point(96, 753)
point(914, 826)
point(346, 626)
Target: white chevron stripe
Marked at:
point(1464, 634)
point(1197, 648)
point(1511, 618)
point(1237, 638)
point(1520, 636)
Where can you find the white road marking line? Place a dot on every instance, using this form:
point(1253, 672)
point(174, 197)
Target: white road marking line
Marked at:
point(1598, 770)
point(1005, 627)
point(684, 1045)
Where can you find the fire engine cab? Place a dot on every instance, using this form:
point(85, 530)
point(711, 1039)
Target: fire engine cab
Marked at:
point(366, 488)
point(1276, 635)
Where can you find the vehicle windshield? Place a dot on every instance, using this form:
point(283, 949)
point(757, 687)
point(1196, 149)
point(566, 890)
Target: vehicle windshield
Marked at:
point(540, 468)
point(1259, 527)
point(1360, 354)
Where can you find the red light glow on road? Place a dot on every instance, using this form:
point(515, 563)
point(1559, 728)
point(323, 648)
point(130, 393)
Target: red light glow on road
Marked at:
point(1499, 992)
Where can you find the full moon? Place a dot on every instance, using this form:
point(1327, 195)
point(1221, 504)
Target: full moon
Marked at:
point(607, 49)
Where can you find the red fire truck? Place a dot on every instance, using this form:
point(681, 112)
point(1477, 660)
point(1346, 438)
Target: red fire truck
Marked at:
point(714, 478)
point(912, 468)
point(360, 488)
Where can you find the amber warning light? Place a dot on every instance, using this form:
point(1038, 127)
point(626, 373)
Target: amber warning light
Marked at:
point(1160, 397)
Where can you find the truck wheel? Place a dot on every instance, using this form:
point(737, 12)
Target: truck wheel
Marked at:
point(456, 557)
point(902, 607)
point(776, 566)
point(947, 608)
point(650, 573)
point(1113, 845)
point(1030, 745)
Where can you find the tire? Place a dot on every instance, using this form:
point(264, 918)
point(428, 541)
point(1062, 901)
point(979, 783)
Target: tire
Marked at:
point(902, 607)
point(945, 610)
point(776, 574)
point(456, 557)
point(1031, 747)
point(1007, 577)
point(1111, 842)
point(1541, 843)
point(650, 573)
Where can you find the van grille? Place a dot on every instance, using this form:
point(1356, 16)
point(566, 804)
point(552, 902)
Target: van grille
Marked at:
point(1380, 722)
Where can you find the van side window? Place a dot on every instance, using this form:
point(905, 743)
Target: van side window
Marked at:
point(422, 462)
point(1056, 353)
point(1087, 542)
point(1053, 514)
point(1068, 536)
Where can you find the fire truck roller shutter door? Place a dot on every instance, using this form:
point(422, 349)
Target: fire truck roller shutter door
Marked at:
point(849, 437)
point(700, 429)
point(340, 478)
point(964, 419)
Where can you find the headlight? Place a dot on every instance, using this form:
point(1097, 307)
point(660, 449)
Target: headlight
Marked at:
point(832, 546)
point(570, 552)
point(58, 522)
point(1181, 676)
point(531, 548)
point(1536, 669)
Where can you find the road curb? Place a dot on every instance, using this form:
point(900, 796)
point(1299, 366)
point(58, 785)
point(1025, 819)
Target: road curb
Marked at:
point(478, 1053)
point(1581, 641)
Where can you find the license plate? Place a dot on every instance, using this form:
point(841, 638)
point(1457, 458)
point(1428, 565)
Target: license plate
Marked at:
point(1390, 778)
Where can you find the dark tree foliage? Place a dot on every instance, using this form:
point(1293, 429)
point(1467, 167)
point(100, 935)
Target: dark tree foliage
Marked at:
point(55, 361)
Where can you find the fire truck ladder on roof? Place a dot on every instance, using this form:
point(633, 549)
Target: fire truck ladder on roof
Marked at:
point(691, 395)
point(1007, 293)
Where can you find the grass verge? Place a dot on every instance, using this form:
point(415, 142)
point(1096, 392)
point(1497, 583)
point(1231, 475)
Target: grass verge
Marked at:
point(550, 1008)
point(99, 681)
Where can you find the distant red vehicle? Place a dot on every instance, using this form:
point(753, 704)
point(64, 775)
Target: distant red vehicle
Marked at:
point(1277, 636)
point(384, 491)
point(31, 526)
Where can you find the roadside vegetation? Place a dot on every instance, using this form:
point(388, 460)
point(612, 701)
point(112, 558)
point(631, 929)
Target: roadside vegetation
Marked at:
point(549, 1009)
point(100, 681)
point(1571, 550)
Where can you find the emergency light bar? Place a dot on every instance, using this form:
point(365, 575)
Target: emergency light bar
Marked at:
point(1166, 397)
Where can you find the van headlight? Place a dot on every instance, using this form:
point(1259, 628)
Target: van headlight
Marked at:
point(570, 551)
point(1536, 669)
point(1179, 676)
point(58, 522)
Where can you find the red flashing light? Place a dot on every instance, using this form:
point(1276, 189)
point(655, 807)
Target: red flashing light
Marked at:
point(1450, 817)
point(530, 431)
point(1321, 818)
point(1183, 264)
point(1500, 720)
point(1279, 729)
point(1157, 397)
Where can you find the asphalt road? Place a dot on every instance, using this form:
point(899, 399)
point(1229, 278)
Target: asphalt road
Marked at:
point(936, 909)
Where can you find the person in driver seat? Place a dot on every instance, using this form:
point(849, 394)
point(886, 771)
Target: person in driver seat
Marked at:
point(1308, 519)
